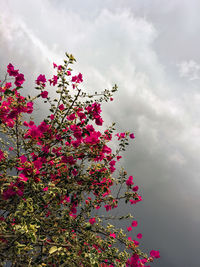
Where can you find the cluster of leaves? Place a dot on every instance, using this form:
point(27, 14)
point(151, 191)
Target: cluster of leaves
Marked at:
point(55, 176)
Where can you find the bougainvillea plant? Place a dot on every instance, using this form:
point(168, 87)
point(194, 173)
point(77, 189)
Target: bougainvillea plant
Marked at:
point(57, 178)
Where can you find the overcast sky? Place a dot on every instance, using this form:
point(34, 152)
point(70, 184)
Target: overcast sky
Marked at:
point(151, 50)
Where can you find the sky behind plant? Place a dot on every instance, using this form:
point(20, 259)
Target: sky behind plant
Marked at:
point(150, 49)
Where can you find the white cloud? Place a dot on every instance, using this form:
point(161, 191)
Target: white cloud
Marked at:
point(189, 69)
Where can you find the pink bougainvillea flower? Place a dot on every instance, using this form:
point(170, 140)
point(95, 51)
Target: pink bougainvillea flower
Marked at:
point(23, 158)
point(26, 123)
point(81, 115)
point(41, 79)
point(139, 199)
point(29, 106)
point(78, 78)
point(113, 235)
point(129, 228)
point(135, 188)
point(120, 135)
point(11, 71)
point(45, 188)
point(136, 243)
point(74, 78)
point(61, 107)
point(51, 116)
point(54, 80)
point(1, 155)
point(92, 220)
point(139, 236)
point(132, 136)
point(119, 157)
point(134, 223)
point(19, 79)
point(8, 85)
point(71, 117)
point(129, 181)
point(67, 199)
point(108, 207)
point(154, 254)
point(23, 177)
point(99, 121)
point(44, 94)
point(133, 261)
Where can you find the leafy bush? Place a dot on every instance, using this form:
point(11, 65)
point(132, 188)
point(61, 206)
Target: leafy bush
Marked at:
point(58, 176)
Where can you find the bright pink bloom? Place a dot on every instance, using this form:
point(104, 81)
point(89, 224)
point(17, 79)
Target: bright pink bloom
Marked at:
point(26, 123)
point(135, 188)
point(99, 121)
point(41, 79)
point(23, 177)
point(51, 116)
point(19, 79)
point(61, 107)
point(1, 155)
point(54, 80)
point(92, 220)
point(120, 135)
point(108, 207)
point(29, 106)
point(23, 158)
point(69, 160)
point(71, 117)
point(45, 188)
point(44, 94)
point(78, 78)
point(113, 235)
point(133, 261)
point(129, 181)
point(155, 254)
point(93, 138)
point(139, 236)
point(136, 243)
point(132, 136)
point(134, 223)
point(81, 115)
point(8, 85)
point(67, 199)
point(11, 71)
point(129, 228)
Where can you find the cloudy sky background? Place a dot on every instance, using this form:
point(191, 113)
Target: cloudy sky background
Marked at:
point(151, 50)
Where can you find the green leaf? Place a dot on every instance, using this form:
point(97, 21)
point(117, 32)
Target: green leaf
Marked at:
point(53, 249)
